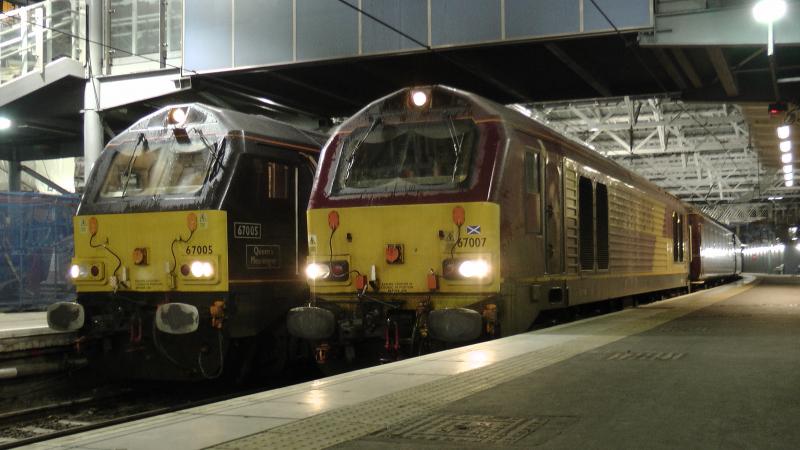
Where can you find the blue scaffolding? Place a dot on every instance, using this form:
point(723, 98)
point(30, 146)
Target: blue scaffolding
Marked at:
point(36, 246)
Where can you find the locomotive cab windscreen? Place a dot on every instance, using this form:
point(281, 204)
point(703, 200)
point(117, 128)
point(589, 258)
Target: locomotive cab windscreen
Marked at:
point(414, 141)
point(406, 157)
point(169, 157)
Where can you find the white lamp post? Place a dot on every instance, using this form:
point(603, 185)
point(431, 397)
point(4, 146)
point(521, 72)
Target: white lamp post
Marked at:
point(768, 11)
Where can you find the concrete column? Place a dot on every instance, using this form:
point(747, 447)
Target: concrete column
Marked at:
point(92, 124)
point(14, 172)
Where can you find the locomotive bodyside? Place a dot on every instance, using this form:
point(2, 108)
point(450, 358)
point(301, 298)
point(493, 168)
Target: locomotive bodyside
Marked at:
point(452, 217)
point(187, 242)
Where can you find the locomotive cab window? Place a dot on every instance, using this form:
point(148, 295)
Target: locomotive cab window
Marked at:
point(533, 189)
point(159, 166)
point(586, 223)
point(406, 157)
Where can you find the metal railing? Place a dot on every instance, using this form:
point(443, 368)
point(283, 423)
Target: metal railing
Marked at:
point(33, 36)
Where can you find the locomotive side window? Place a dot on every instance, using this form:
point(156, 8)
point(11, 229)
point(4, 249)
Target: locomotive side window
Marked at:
point(602, 226)
point(532, 173)
point(680, 238)
point(532, 204)
point(277, 180)
point(675, 243)
point(586, 222)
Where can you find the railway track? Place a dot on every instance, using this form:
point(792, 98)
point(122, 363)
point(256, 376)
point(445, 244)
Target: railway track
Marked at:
point(41, 423)
point(75, 406)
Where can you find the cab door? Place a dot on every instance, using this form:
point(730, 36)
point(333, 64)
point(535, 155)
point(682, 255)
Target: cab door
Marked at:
point(554, 214)
point(263, 218)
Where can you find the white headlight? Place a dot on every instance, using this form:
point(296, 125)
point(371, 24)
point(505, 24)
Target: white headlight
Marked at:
point(196, 269)
point(208, 270)
point(75, 271)
point(419, 98)
point(474, 268)
point(316, 271)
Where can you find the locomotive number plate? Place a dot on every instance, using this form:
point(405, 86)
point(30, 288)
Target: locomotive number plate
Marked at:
point(245, 230)
point(471, 242)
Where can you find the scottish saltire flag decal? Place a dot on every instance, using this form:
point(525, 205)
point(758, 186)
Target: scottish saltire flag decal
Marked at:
point(473, 229)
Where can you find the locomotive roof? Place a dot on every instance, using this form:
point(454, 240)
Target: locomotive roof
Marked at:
point(230, 121)
point(513, 119)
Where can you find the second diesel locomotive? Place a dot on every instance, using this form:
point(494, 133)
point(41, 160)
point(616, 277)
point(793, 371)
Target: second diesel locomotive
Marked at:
point(440, 216)
point(188, 242)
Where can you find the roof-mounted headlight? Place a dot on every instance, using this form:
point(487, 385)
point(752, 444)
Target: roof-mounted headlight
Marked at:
point(177, 116)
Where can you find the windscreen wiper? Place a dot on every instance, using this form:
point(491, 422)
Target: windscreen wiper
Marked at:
point(451, 128)
point(139, 140)
point(352, 158)
point(211, 149)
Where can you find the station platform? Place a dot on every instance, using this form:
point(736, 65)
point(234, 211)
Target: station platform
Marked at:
point(29, 331)
point(713, 369)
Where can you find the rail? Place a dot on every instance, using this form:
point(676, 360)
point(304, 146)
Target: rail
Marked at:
point(33, 36)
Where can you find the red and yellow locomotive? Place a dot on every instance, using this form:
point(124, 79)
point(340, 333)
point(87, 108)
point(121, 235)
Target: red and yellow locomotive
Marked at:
point(440, 216)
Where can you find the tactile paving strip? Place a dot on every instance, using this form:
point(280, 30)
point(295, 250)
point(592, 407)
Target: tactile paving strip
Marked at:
point(379, 414)
point(466, 428)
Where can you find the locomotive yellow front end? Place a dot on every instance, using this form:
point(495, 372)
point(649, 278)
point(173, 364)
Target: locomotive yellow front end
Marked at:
point(180, 252)
point(404, 242)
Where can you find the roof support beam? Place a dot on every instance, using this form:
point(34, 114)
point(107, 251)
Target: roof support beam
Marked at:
point(592, 81)
point(672, 71)
point(723, 71)
point(687, 67)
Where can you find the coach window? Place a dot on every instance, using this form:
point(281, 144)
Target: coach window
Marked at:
point(602, 226)
point(533, 189)
point(586, 223)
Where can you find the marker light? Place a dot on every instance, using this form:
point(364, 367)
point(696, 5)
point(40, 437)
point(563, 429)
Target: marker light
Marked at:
point(783, 132)
point(74, 271)
point(5, 123)
point(786, 158)
point(419, 98)
point(788, 177)
point(315, 271)
point(474, 268)
point(785, 146)
point(768, 11)
point(177, 116)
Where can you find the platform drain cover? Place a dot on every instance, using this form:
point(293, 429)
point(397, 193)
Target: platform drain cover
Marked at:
point(466, 428)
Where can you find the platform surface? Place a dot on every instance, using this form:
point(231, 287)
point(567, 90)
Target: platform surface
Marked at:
point(29, 330)
point(714, 369)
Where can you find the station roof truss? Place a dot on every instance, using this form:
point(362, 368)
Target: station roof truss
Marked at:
point(703, 153)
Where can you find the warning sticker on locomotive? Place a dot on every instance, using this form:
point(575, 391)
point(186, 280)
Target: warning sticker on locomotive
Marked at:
point(203, 221)
point(245, 230)
point(263, 256)
point(312, 244)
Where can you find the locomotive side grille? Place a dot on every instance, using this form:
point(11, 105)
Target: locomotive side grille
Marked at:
point(586, 219)
point(602, 226)
point(571, 218)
